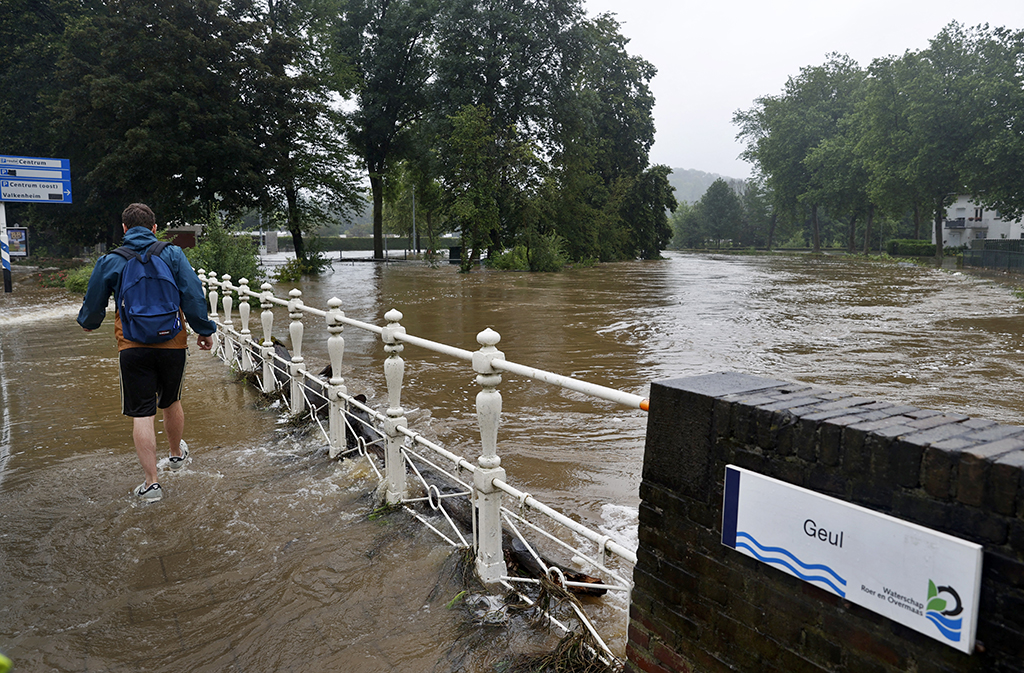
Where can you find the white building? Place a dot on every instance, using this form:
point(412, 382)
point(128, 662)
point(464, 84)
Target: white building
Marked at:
point(966, 222)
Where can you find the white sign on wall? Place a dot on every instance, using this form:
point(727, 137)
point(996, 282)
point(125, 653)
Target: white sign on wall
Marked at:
point(924, 579)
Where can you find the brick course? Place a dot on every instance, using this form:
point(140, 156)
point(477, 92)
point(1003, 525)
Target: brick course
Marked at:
point(703, 608)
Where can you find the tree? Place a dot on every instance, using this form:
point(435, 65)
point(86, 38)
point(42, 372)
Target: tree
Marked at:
point(884, 141)
point(782, 131)
point(994, 169)
point(687, 226)
point(938, 120)
point(646, 209)
point(722, 212)
point(303, 160)
point(148, 109)
point(759, 217)
point(382, 56)
point(604, 132)
point(472, 181)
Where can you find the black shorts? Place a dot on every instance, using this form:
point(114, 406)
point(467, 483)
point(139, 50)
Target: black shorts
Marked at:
point(150, 378)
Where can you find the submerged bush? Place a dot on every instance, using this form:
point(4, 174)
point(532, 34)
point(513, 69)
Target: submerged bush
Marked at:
point(544, 253)
point(219, 251)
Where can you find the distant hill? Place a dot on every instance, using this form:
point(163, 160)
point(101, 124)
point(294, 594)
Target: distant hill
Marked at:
point(691, 184)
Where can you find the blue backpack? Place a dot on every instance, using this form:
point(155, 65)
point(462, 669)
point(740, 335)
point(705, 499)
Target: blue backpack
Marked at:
point(148, 299)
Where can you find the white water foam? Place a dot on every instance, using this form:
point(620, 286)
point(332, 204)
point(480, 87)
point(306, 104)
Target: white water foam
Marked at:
point(621, 523)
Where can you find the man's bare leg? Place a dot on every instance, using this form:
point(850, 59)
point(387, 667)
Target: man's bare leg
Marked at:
point(174, 426)
point(144, 435)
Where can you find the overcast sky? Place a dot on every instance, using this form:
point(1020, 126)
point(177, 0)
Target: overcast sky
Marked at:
point(716, 57)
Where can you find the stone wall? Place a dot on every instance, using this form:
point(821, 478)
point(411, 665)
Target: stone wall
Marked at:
point(700, 606)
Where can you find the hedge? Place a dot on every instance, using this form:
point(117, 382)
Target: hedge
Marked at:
point(908, 247)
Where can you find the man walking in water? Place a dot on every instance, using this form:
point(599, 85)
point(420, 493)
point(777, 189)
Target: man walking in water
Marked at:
point(151, 374)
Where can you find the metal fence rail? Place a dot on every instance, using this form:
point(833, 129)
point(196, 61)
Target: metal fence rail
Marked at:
point(469, 504)
point(1006, 260)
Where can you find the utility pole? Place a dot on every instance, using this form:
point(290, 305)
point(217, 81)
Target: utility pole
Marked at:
point(415, 241)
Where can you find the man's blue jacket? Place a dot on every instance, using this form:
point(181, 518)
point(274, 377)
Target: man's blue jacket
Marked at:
point(107, 275)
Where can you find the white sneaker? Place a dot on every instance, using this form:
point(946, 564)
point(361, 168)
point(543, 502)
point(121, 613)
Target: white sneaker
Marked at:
point(150, 493)
point(178, 462)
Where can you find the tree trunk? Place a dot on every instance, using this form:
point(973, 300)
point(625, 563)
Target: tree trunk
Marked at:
point(294, 222)
point(114, 231)
point(917, 221)
point(938, 230)
point(815, 232)
point(771, 228)
point(867, 230)
point(852, 245)
point(377, 188)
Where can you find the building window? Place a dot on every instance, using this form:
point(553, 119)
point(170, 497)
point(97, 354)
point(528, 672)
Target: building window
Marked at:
point(978, 213)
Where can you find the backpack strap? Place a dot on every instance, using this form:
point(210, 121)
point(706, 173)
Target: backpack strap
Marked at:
point(126, 252)
point(154, 249)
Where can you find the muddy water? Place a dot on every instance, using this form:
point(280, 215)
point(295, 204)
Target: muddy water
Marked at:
point(262, 555)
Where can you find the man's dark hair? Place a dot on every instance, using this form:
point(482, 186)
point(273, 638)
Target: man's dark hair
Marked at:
point(138, 215)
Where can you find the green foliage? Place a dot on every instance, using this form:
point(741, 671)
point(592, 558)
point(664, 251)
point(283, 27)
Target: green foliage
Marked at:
point(509, 260)
point(220, 251)
point(906, 135)
point(472, 180)
point(380, 52)
point(547, 253)
point(722, 213)
point(77, 280)
point(294, 269)
point(909, 248)
point(687, 226)
point(544, 252)
point(193, 104)
point(720, 217)
point(313, 264)
point(142, 123)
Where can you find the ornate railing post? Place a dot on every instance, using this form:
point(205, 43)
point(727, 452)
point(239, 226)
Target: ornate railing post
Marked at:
point(267, 349)
point(295, 329)
point(490, 561)
point(394, 372)
point(212, 294)
point(336, 388)
point(243, 315)
point(228, 302)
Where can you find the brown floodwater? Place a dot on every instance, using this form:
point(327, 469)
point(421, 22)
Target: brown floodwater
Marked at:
point(265, 555)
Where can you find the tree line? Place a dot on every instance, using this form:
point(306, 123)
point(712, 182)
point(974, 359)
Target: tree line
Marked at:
point(896, 142)
point(513, 123)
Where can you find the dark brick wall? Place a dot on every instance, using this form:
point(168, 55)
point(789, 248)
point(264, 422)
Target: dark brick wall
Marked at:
point(699, 606)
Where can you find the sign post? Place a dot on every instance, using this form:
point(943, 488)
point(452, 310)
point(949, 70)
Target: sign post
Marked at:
point(30, 180)
point(5, 254)
point(924, 579)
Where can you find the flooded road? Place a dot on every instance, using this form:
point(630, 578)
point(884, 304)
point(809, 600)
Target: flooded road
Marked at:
point(264, 555)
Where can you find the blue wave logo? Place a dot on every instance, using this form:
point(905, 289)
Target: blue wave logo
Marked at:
point(939, 613)
point(784, 558)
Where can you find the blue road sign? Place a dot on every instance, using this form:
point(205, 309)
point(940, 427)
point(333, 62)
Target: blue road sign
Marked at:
point(35, 191)
point(35, 179)
point(34, 162)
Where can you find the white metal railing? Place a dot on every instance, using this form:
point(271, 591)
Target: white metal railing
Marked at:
point(352, 427)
